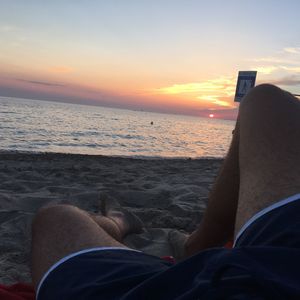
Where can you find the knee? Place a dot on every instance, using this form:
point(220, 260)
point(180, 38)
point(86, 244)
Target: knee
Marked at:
point(266, 89)
point(263, 97)
point(48, 215)
point(262, 94)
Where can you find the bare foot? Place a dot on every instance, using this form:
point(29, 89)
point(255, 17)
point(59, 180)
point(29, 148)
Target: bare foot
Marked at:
point(177, 241)
point(126, 221)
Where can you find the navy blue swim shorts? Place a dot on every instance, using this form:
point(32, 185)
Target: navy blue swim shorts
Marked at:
point(263, 264)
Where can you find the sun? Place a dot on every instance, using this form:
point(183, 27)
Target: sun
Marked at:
point(211, 115)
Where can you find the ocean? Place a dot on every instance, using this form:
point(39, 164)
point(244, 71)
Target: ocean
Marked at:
point(43, 126)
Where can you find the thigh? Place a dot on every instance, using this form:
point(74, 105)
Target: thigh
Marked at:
point(59, 231)
point(269, 150)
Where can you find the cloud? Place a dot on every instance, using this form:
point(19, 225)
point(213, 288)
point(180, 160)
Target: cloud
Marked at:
point(273, 60)
point(61, 69)
point(291, 69)
point(224, 84)
point(266, 69)
point(280, 62)
point(42, 83)
point(215, 100)
point(287, 81)
point(8, 28)
point(213, 91)
point(293, 50)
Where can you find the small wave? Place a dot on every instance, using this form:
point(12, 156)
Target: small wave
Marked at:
point(67, 145)
point(128, 136)
point(9, 112)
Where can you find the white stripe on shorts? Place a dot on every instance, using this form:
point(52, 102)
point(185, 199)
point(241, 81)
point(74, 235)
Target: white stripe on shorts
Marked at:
point(64, 259)
point(263, 212)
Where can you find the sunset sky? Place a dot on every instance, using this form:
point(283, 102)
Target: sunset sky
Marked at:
point(159, 55)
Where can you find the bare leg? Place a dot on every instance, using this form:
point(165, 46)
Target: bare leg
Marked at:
point(217, 225)
point(269, 152)
point(61, 230)
point(262, 166)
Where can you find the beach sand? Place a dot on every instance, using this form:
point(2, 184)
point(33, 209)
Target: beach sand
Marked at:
point(169, 195)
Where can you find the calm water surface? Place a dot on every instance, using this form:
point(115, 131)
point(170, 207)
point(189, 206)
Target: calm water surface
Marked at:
point(40, 126)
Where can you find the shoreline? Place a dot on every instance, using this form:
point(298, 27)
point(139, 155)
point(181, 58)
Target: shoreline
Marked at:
point(168, 195)
point(142, 157)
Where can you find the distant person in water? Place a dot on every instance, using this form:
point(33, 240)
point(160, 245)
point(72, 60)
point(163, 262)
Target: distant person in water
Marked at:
point(255, 200)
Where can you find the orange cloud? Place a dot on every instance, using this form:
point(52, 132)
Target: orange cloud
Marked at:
point(215, 100)
point(212, 91)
